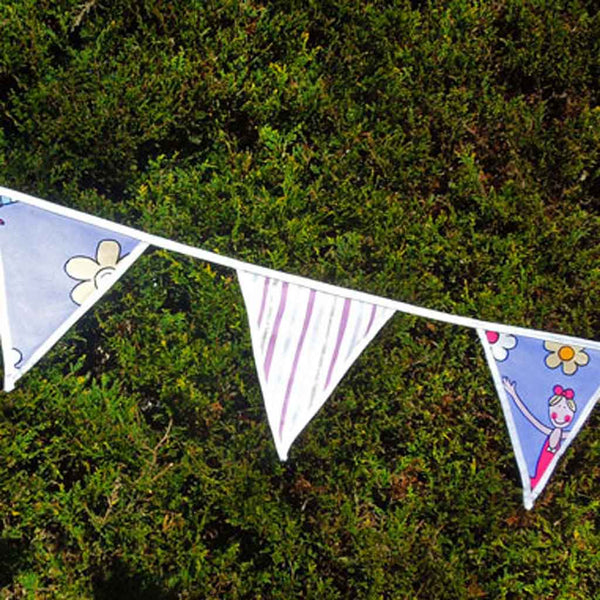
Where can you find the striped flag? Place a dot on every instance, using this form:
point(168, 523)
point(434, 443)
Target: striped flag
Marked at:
point(53, 268)
point(304, 341)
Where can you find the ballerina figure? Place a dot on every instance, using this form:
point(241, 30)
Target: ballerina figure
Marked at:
point(561, 409)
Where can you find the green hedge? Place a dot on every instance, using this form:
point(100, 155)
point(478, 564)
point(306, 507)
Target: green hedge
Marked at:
point(441, 153)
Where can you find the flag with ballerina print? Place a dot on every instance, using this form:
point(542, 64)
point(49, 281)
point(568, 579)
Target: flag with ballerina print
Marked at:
point(53, 268)
point(547, 388)
point(304, 341)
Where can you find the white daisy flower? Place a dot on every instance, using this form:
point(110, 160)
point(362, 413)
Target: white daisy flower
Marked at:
point(568, 356)
point(500, 344)
point(94, 274)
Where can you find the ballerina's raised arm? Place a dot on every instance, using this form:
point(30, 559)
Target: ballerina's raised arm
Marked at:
point(511, 388)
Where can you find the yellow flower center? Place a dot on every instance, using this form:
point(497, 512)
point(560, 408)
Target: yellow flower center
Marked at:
point(566, 353)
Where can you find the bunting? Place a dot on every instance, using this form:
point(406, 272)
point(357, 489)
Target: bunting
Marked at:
point(55, 263)
point(304, 341)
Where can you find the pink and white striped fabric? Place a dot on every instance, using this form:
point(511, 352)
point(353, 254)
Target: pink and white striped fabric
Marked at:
point(304, 341)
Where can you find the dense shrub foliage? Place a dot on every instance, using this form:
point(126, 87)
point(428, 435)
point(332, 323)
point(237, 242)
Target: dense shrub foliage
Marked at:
point(441, 153)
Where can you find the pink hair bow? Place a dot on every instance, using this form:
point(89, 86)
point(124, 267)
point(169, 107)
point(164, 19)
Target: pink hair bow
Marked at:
point(568, 393)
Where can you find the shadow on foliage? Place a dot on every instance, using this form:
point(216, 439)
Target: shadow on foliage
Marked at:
point(11, 558)
point(120, 583)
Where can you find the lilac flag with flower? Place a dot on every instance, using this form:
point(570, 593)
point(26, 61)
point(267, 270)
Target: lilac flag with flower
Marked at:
point(53, 268)
point(304, 341)
point(547, 388)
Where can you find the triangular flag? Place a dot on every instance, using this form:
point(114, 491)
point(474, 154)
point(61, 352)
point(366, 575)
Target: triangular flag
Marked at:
point(304, 341)
point(548, 387)
point(53, 268)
